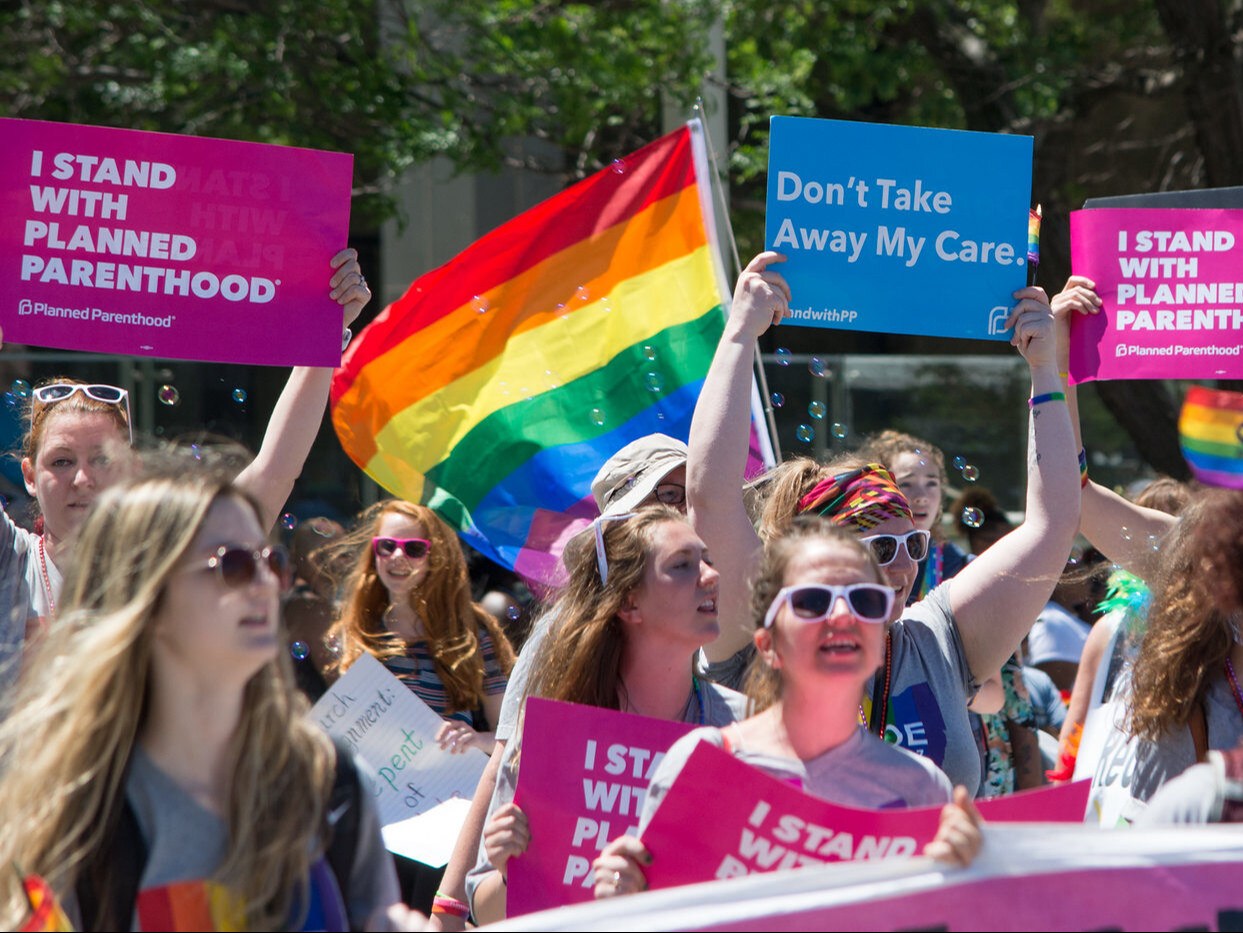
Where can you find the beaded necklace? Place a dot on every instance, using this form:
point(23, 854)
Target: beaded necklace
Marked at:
point(881, 701)
point(1234, 685)
point(47, 579)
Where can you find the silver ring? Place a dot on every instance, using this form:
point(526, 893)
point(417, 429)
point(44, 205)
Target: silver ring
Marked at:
point(362, 280)
point(617, 880)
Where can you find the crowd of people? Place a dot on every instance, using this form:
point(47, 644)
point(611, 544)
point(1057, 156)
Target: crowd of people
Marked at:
point(157, 768)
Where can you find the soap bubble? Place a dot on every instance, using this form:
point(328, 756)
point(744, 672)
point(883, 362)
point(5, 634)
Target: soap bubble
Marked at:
point(20, 388)
point(597, 417)
point(480, 304)
point(839, 430)
point(1154, 542)
point(972, 517)
point(196, 451)
point(970, 473)
point(783, 356)
point(817, 410)
point(299, 650)
point(238, 395)
point(960, 462)
point(805, 433)
point(649, 352)
point(289, 521)
point(777, 399)
point(1125, 533)
point(816, 366)
point(168, 395)
point(514, 613)
point(11, 400)
point(582, 294)
point(654, 381)
point(333, 644)
point(619, 166)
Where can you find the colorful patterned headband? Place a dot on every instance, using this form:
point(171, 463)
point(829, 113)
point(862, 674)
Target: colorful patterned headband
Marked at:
point(862, 498)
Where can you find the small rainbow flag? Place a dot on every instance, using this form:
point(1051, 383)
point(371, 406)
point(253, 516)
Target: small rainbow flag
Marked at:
point(1033, 235)
point(46, 915)
point(1210, 432)
point(499, 383)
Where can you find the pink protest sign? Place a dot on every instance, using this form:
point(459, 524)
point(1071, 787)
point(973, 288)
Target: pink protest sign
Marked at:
point(583, 775)
point(1171, 284)
point(180, 247)
point(758, 823)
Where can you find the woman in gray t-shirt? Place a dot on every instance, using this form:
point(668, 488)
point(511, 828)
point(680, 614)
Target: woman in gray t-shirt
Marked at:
point(820, 610)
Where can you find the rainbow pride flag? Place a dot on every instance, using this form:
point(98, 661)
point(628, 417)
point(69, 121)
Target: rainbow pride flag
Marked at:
point(497, 385)
point(46, 915)
point(1210, 432)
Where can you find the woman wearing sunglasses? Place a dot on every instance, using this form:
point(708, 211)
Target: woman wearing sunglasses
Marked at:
point(408, 602)
point(939, 650)
point(640, 601)
point(159, 769)
point(76, 443)
point(821, 609)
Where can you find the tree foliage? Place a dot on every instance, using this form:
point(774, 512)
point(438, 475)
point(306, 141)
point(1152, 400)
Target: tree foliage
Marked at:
point(1120, 95)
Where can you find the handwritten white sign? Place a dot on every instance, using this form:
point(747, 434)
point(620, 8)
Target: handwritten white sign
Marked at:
point(394, 733)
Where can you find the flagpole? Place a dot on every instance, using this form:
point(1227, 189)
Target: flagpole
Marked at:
point(714, 183)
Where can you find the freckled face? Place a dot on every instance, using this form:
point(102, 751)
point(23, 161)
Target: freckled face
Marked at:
point(400, 573)
point(841, 645)
point(677, 599)
point(80, 454)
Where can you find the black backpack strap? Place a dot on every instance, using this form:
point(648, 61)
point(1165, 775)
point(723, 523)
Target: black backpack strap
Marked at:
point(107, 887)
point(342, 818)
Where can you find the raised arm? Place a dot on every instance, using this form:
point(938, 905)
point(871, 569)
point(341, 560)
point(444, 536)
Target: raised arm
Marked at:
point(1117, 527)
point(720, 436)
point(299, 411)
point(997, 596)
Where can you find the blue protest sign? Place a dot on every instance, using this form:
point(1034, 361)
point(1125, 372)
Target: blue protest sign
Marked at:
point(899, 229)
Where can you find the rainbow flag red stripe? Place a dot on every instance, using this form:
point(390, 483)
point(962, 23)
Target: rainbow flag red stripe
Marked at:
point(497, 385)
point(1210, 432)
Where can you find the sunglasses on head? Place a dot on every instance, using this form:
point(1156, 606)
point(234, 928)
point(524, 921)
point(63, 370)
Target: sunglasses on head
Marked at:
point(59, 391)
point(814, 602)
point(238, 566)
point(885, 547)
point(415, 548)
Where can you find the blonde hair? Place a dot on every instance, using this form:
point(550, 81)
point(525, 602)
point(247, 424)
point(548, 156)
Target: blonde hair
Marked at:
point(792, 480)
point(762, 683)
point(451, 619)
point(66, 747)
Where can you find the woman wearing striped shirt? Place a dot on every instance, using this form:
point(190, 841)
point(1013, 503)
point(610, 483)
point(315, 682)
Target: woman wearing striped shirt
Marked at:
point(408, 602)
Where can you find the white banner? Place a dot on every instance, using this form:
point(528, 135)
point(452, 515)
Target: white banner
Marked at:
point(1040, 877)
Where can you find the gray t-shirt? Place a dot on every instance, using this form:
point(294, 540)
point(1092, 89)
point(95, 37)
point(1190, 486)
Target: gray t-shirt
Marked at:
point(930, 686)
point(715, 706)
point(23, 592)
point(861, 772)
point(516, 688)
point(1139, 767)
point(186, 842)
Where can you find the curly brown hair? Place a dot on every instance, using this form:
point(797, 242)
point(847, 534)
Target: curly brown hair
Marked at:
point(1198, 588)
point(451, 619)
